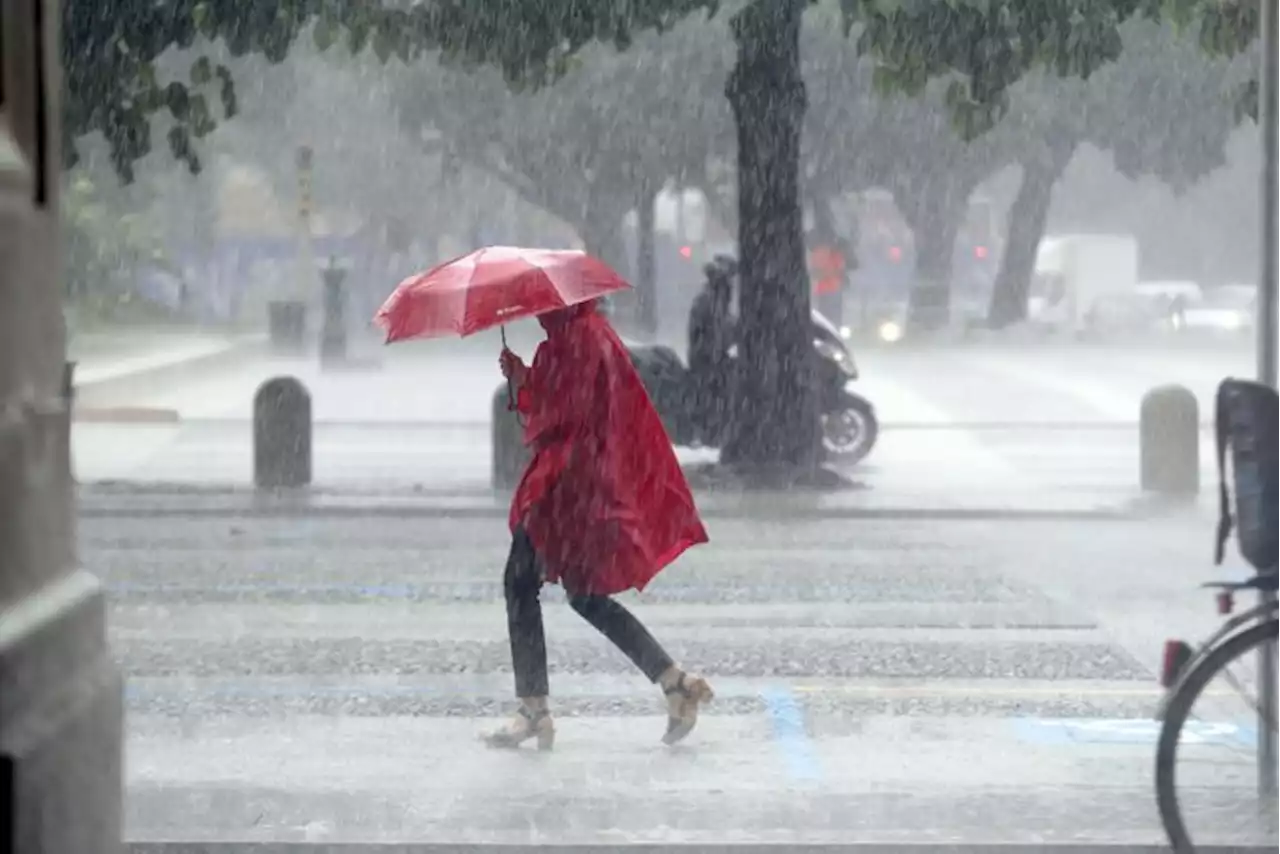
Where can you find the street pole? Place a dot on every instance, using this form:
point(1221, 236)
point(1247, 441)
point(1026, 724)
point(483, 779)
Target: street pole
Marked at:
point(304, 281)
point(680, 229)
point(1266, 323)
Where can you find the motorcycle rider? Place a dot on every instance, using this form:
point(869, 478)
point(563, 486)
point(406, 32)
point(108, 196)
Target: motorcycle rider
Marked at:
point(712, 331)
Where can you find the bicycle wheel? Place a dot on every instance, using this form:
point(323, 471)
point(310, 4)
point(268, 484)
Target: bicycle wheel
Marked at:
point(1224, 794)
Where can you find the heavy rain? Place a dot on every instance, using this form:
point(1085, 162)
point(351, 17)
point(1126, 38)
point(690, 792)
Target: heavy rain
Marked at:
point(663, 425)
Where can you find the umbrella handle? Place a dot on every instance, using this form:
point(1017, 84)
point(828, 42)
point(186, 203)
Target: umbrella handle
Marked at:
point(511, 394)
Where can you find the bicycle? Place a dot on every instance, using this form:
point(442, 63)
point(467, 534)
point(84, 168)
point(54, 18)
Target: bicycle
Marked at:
point(1246, 423)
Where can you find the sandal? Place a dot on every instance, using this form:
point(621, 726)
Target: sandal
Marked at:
point(683, 699)
point(526, 725)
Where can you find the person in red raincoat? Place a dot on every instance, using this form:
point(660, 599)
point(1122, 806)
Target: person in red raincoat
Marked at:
point(602, 508)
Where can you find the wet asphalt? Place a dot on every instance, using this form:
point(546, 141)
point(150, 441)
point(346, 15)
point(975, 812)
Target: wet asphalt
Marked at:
point(323, 680)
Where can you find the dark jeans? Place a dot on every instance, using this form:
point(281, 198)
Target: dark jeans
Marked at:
point(523, 581)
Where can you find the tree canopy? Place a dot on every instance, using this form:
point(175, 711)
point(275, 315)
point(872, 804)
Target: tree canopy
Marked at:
point(110, 49)
point(584, 148)
point(1161, 109)
point(989, 45)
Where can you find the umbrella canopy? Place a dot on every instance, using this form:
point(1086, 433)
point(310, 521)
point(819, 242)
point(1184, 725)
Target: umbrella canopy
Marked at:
point(493, 286)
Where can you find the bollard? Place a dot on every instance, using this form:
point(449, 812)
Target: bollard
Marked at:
point(509, 453)
point(281, 434)
point(1169, 441)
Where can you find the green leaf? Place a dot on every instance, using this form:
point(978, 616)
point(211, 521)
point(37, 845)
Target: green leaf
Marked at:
point(206, 22)
point(1245, 101)
point(227, 91)
point(383, 44)
point(201, 121)
point(201, 71)
point(178, 99)
point(357, 35)
point(325, 33)
point(886, 81)
point(179, 142)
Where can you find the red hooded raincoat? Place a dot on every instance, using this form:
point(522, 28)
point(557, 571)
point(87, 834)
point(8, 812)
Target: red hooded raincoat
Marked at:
point(603, 500)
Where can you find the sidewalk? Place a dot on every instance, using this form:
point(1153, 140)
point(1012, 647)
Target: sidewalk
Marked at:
point(112, 365)
point(983, 436)
point(107, 499)
point(102, 356)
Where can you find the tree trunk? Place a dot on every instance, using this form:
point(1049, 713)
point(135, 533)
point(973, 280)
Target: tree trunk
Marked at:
point(1027, 218)
point(646, 286)
point(775, 419)
point(929, 302)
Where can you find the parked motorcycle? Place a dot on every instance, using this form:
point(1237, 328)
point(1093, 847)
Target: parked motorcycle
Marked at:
point(849, 424)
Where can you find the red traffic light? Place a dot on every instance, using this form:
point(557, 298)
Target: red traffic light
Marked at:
point(686, 252)
point(895, 253)
point(980, 252)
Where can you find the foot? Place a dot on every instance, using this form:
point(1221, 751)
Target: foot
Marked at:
point(528, 723)
point(684, 694)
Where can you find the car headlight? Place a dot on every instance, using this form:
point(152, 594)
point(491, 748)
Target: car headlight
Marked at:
point(890, 332)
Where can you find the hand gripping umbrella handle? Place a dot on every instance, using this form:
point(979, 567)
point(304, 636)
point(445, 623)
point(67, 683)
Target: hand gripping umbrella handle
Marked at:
point(511, 394)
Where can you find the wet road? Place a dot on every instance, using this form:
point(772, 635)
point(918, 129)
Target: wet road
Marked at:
point(325, 680)
point(1048, 425)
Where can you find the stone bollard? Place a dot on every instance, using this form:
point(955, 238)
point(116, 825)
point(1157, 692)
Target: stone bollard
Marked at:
point(281, 434)
point(509, 452)
point(1169, 441)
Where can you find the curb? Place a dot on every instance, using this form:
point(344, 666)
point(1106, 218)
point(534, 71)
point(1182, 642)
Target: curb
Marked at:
point(674, 848)
point(304, 508)
point(124, 415)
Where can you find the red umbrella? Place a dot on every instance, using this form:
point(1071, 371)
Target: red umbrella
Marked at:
point(490, 287)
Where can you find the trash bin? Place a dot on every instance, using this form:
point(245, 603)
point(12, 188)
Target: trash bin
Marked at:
point(287, 325)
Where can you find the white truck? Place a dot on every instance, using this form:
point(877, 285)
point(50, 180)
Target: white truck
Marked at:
point(1080, 279)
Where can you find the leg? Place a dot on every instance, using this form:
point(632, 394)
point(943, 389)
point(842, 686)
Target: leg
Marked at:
point(683, 692)
point(626, 632)
point(521, 585)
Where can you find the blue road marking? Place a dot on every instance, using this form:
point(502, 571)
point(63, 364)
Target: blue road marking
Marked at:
point(792, 737)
